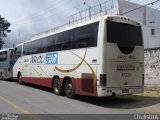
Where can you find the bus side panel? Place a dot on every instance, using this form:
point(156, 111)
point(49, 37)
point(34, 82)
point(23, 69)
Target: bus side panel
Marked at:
point(47, 82)
point(82, 88)
point(24, 69)
point(85, 78)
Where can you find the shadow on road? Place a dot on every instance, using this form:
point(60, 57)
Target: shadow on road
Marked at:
point(38, 87)
point(9, 80)
point(122, 102)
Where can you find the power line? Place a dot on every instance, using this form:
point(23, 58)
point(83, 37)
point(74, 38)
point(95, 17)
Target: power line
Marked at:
point(42, 11)
point(47, 10)
point(151, 3)
point(35, 17)
point(67, 10)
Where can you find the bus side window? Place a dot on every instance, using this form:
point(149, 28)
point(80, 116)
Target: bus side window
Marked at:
point(17, 52)
point(63, 41)
point(48, 44)
point(86, 36)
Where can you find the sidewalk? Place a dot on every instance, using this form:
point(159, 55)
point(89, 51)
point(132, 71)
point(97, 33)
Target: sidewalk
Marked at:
point(151, 91)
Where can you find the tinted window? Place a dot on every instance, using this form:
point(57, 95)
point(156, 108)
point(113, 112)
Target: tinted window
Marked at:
point(48, 44)
point(18, 51)
point(3, 56)
point(27, 48)
point(36, 47)
point(11, 53)
point(124, 34)
point(63, 41)
point(86, 36)
point(82, 37)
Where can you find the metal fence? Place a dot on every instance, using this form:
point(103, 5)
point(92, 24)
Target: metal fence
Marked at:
point(101, 9)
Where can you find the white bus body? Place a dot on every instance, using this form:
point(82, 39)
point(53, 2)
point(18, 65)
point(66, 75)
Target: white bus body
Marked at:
point(6, 63)
point(101, 57)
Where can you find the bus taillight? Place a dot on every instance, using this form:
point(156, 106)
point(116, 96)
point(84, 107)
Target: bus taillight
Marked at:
point(142, 79)
point(103, 79)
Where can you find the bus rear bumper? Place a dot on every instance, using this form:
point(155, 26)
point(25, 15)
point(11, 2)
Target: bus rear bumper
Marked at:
point(101, 92)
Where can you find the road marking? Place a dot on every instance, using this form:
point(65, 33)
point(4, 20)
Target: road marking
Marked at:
point(15, 105)
point(21, 109)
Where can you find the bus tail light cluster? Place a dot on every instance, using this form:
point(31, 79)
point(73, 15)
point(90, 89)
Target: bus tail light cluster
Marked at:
point(103, 79)
point(142, 79)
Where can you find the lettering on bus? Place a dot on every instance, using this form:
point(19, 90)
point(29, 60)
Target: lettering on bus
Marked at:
point(38, 59)
point(125, 67)
point(124, 57)
point(126, 74)
point(26, 60)
point(52, 58)
point(49, 58)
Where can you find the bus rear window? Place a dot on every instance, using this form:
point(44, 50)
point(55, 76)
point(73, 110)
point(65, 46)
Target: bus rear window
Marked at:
point(3, 56)
point(124, 34)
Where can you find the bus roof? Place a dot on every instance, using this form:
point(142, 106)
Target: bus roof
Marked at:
point(66, 27)
point(78, 24)
point(6, 49)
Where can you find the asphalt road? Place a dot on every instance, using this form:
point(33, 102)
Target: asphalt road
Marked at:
point(31, 99)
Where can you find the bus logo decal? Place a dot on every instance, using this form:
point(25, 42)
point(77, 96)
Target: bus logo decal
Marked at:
point(52, 58)
point(38, 59)
point(76, 67)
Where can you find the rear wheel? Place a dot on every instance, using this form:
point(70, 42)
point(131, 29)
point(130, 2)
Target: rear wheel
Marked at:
point(69, 89)
point(19, 78)
point(57, 87)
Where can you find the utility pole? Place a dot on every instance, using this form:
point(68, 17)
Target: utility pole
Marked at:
point(13, 45)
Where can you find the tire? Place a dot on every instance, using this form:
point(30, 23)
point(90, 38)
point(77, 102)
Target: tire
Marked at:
point(57, 87)
point(19, 79)
point(69, 89)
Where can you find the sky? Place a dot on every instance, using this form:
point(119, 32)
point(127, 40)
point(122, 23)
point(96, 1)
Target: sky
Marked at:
point(29, 17)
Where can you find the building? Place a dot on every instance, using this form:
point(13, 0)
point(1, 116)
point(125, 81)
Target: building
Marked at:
point(150, 21)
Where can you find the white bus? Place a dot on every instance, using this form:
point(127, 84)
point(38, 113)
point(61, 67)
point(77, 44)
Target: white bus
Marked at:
point(100, 57)
point(6, 63)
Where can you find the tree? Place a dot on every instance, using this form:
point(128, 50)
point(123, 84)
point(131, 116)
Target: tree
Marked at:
point(4, 25)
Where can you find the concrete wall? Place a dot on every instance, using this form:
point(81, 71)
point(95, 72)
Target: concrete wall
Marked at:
point(152, 67)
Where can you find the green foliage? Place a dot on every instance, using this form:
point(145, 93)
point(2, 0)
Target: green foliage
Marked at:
point(4, 25)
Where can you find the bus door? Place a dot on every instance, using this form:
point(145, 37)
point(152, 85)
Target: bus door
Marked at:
point(26, 66)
